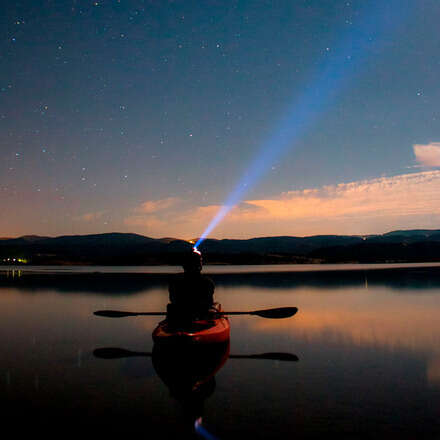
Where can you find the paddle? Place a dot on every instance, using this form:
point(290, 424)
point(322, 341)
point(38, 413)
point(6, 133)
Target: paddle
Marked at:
point(278, 313)
point(268, 356)
point(118, 353)
point(119, 314)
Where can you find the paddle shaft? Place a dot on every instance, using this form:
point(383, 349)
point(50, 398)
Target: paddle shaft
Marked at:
point(119, 353)
point(278, 313)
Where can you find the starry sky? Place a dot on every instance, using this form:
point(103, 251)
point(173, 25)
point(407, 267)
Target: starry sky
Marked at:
point(142, 116)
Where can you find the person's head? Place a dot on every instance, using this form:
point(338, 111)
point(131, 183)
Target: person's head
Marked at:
point(192, 262)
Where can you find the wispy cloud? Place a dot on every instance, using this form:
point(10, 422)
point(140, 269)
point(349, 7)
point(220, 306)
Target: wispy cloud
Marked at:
point(401, 195)
point(152, 206)
point(360, 207)
point(428, 155)
point(89, 216)
point(155, 217)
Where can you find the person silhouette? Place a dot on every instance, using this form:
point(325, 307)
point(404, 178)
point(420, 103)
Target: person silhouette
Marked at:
point(191, 294)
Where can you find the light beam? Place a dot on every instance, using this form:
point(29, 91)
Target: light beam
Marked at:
point(338, 66)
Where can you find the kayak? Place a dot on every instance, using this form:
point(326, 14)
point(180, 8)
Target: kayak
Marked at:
point(213, 329)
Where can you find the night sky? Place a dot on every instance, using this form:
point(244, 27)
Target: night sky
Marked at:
point(143, 116)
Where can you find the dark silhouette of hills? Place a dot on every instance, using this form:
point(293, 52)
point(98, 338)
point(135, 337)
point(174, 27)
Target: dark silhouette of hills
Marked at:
point(129, 249)
point(112, 248)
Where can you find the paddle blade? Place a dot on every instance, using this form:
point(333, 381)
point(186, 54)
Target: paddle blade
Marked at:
point(116, 353)
point(282, 312)
point(111, 353)
point(268, 356)
point(113, 313)
point(277, 357)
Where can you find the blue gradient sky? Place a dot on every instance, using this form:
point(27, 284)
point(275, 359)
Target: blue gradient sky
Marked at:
point(126, 115)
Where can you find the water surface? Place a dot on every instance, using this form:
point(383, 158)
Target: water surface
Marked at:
point(367, 341)
point(212, 268)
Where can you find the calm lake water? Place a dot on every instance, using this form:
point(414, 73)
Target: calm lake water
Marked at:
point(367, 342)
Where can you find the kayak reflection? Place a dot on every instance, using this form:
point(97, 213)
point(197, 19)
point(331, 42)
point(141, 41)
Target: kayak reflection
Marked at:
point(188, 370)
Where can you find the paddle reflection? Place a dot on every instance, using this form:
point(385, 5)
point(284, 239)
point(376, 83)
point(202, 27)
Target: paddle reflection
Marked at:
point(188, 370)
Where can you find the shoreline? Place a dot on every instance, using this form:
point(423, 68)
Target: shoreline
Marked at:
point(398, 278)
point(212, 268)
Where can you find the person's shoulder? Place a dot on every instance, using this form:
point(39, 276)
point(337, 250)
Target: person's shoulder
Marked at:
point(176, 278)
point(207, 280)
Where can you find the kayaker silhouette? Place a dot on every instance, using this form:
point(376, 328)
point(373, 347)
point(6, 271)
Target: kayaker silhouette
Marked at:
point(191, 293)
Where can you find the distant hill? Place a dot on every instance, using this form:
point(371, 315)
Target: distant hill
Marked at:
point(128, 249)
point(112, 248)
point(396, 246)
point(283, 245)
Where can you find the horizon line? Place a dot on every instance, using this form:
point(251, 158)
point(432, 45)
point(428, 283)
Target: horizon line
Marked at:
point(194, 239)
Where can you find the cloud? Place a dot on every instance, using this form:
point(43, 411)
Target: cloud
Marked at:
point(361, 207)
point(169, 217)
point(428, 155)
point(152, 206)
point(401, 195)
point(89, 216)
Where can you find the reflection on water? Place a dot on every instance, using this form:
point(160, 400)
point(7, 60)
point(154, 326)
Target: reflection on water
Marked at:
point(213, 269)
point(12, 273)
point(368, 344)
point(189, 373)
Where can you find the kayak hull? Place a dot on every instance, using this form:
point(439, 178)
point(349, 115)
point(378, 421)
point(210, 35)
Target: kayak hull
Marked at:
point(203, 331)
point(213, 328)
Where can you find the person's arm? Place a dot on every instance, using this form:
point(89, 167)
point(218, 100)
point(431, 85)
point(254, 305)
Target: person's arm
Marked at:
point(210, 286)
point(172, 290)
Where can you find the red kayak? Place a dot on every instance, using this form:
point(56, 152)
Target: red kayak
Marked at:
point(213, 329)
